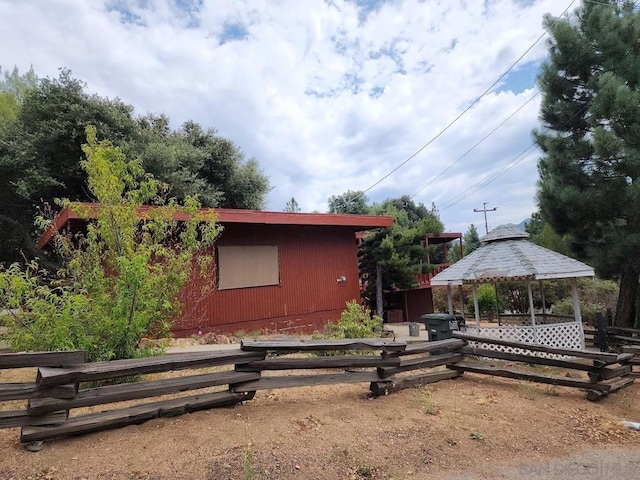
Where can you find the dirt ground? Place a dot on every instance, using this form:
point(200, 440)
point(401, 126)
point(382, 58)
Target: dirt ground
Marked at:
point(473, 427)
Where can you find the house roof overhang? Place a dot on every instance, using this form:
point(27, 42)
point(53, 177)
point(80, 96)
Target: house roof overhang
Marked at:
point(444, 237)
point(89, 211)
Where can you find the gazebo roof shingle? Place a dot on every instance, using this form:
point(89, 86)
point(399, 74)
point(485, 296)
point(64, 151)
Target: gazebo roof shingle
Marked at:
point(506, 255)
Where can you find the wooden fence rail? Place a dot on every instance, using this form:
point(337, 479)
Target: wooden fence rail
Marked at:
point(23, 391)
point(606, 337)
point(64, 382)
point(604, 376)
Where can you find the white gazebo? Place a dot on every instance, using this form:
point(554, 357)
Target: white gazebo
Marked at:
point(506, 255)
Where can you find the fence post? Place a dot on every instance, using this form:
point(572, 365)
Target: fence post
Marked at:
point(601, 325)
point(609, 318)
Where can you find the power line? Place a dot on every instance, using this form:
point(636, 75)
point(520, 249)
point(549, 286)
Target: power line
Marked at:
point(459, 116)
point(489, 179)
point(502, 170)
point(477, 143)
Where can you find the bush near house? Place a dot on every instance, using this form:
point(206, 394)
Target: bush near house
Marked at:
point(121, 280)
point(355, 322)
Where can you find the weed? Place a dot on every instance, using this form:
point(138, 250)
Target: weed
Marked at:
point(427, 402)
point(365, 471)
point(551, 390)
point(248, 460)
point(240, 334)
point(528, 390)
point(477, 436)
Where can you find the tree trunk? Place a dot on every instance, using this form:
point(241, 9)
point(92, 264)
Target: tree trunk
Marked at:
point(379, 299)
point(626, 308)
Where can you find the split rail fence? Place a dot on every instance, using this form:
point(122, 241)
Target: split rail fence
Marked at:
point(64, 382)
point(607, 337)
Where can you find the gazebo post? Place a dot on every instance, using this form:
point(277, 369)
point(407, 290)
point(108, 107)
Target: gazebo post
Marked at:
point(533, 313)
point(544, 303)
point(577, 315)
point(449, 299)
point(495, 290)
point(476, 307)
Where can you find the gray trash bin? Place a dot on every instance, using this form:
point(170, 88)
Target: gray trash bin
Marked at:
point(414, 329)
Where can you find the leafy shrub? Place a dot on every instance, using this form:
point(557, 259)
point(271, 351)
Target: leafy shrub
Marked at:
point(588, 310)
point(355, 322)
point(122, 279)
point(486, 300)
point(596, 295)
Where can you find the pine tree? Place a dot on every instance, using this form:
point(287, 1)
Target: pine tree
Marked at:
point(590, 138)
point(292, 206)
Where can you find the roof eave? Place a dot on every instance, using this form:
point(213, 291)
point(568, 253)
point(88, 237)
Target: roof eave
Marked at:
point(353, 222)
point(557, 276)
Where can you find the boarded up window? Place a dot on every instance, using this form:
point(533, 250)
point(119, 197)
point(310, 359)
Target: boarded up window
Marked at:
point(247, 266)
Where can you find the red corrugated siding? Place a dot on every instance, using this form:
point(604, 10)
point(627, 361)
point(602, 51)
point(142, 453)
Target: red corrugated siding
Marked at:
point(311, 259)
point(418, 302)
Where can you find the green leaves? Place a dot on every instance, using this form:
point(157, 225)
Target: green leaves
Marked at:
point(122, 279)
point(400, 250)
point(591, 141)
point(42, 130)
point(355, 322)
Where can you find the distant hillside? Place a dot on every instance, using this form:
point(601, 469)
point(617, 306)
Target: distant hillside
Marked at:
point(521, 226)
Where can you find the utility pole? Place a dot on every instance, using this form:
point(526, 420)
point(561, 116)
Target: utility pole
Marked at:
point(484, 210)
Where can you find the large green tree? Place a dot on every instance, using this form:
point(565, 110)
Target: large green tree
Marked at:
point(400, 250)
point(119, 281)
point(590, 138)
point(352, 202)
point(542, 233)
point(41, 137)
point(41, 150)
point(14, 87)
point(470, 242)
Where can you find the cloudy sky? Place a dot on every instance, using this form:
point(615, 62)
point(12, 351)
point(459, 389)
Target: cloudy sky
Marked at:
point(327, 95)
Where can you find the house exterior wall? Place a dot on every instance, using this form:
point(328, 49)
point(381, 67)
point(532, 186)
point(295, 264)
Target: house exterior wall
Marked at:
point(417, 302)
point(311, 260)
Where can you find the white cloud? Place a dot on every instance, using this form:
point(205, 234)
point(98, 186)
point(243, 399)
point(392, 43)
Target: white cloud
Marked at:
point(325, 97)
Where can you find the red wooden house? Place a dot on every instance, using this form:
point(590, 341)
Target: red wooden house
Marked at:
point(410, 304)
point(274, 270)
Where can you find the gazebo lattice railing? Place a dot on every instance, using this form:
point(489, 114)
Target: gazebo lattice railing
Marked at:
point(559, 335)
